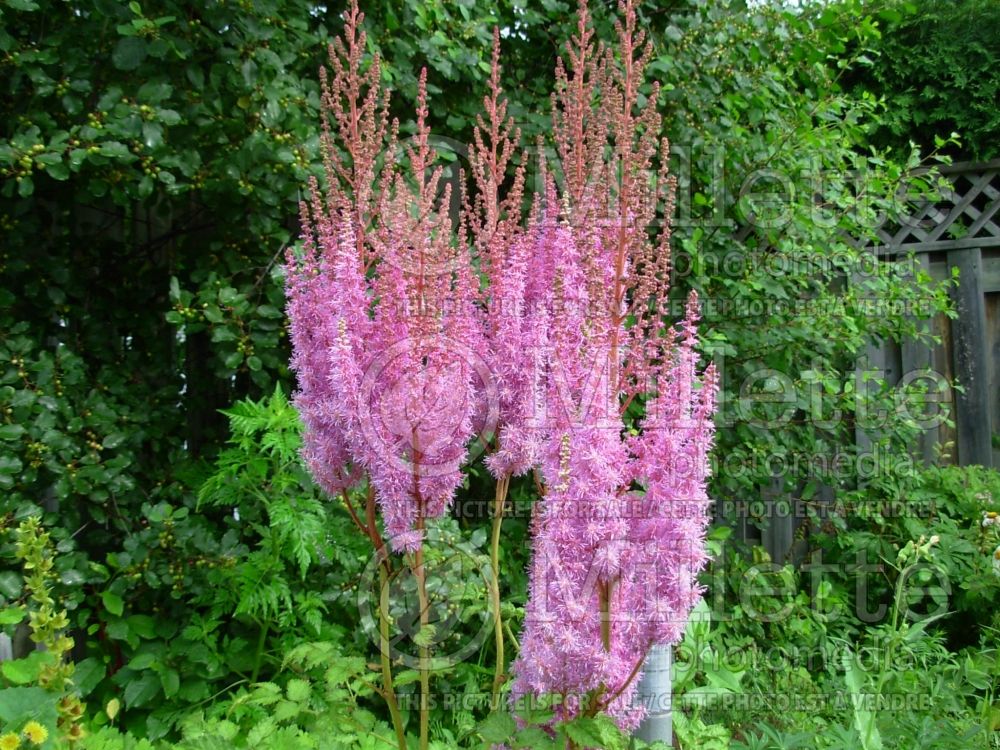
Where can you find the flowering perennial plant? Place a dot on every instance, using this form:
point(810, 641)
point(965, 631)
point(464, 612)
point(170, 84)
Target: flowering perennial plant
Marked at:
point(619, 536)
point(544, 337)
point(385, 330)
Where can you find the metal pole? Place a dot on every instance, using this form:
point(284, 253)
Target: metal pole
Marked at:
point(656, 693)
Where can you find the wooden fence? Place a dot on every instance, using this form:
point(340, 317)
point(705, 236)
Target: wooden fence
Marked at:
point(960, 230)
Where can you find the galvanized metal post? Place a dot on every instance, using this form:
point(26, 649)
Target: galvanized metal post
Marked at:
point(656, 693)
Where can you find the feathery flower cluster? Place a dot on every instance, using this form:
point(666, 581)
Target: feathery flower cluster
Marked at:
point(383, 313)
point(514, 322)
point(403, 358)
point(607, 583)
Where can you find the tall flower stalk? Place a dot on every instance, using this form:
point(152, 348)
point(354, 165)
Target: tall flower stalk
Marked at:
point(491, 225)
point(548, 333)
point(619, 538)
point(384, 323)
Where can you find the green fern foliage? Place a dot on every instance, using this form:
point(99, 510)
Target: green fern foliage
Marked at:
point(259, 477)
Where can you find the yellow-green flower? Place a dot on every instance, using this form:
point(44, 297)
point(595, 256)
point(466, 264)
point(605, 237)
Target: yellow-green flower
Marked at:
point(10, 741)
point(75, 733)
point(35, 732)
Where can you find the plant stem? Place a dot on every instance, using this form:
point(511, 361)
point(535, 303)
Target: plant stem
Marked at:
point(604, 604)
point(259, 653)
point(425, 674)
point(503, 484)
point(383, 647)
point(899, 591)
point(511, 637)
point(419, 576)
point(603, 702)
point(384, 571)
point(604, 594)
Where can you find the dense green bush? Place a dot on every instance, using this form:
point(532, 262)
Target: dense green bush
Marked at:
point(152, 156)
point(777, 184)
point(948, 502)
point(936, 65)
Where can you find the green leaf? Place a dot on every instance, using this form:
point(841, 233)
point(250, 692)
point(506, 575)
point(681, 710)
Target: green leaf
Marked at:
point(497, 728)
point(57, 295)
point(10, 465)
point(20, 705)
point(152, 134)
point(154, 92)
point(406, 677)
point(534, 738)
point(129, 53)
point(11, 615)
point(22, 4)
point(76, 158)
point(143, 625)
point(228, 295)
point(598, 731)
point(113, 441)
point(193, 690)
point(88, 675)
point(168, 116)
point(118, 630)
point(260, 732)
point(113, 603)
point(425, 636)
point(864, 718)
point(115, 150)
point(58, 171)
point(268, 311)
point(298, 690)
point(171, 682)
point(143, 661)
point(141, 691)
point(226, 730)
point(11, 431)
point(26, 670)
point(10, 584)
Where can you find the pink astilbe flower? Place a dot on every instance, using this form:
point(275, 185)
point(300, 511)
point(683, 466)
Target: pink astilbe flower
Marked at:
point(386, 334)
point(619, 536)
point(671, 514)
point(515, 320)
point(517, 340)
point(403, 358)
point(313, 333)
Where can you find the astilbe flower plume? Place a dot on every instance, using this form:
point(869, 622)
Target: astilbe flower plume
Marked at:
point(403, 358)
point(619, 537)
point(514, 317)
point(386, 336)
